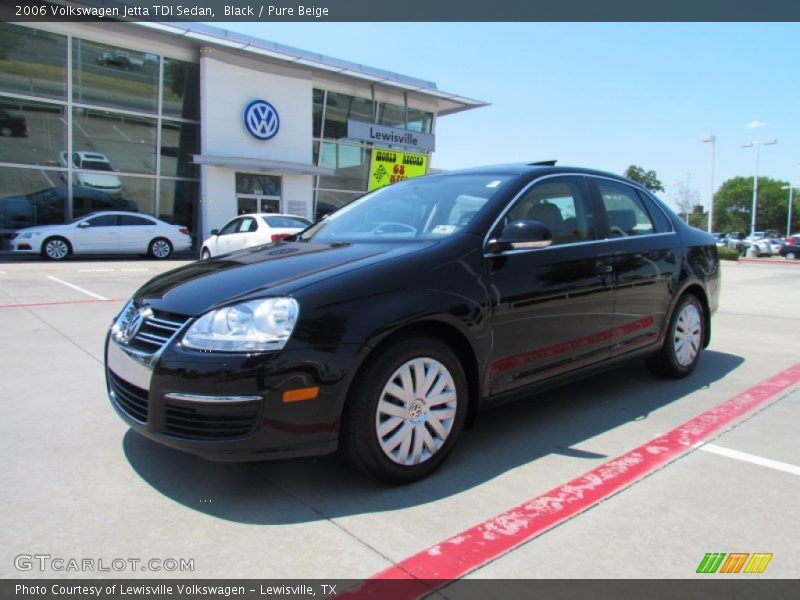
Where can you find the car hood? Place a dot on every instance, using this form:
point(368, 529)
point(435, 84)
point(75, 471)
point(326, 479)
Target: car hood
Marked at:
point(100, 180)
point(41, 228)
point(272, 269)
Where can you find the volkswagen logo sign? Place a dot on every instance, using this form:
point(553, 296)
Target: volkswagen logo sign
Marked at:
point(261, 120)
point(131, 328)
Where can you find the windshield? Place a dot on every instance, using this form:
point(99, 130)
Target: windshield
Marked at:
point(417, 209)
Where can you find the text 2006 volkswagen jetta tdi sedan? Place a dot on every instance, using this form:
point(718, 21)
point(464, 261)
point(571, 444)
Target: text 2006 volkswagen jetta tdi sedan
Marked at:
point(381, 329)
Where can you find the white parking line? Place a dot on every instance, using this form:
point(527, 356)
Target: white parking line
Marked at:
point(78, 288)
point(122, 133)
point(133, 270)
point(95, 270)
point(49, 181)
point(751, 458)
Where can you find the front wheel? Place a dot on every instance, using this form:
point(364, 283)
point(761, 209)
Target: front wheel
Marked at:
point(407, 411)
point(56, 248)
point(684, 342)
point(205, 254)
point(159, 249)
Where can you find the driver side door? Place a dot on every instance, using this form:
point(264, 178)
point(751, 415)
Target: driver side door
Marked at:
point(552, 307)
point(97, 234)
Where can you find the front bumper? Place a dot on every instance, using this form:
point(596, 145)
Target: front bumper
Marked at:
point(229, 407)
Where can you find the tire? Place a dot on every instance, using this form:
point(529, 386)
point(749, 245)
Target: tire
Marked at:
point(6, 131)
point(684, 341)
point(205, 254)
point(56, 248)
point(159, 248)
point(398, 440)
point(790, 255)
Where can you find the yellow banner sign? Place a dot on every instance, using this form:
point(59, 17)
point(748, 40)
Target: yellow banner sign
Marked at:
point(387, 167)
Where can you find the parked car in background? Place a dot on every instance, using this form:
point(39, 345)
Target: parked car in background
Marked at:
point(354, 335)
point(49, 207)
point(93, 161)
point(120, 59)
point(790, 251)
point(104, 233)
point(720, 239)
point(250, 230)
point(735, 240)
point(12, 125)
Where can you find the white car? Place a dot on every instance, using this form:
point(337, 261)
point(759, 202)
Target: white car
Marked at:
point(104, 233)
point(92, 161)
point(251, 230)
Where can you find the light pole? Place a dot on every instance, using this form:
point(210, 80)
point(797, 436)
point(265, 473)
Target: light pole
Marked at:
point(791, 187)
point(711, 139)
point(757, 144)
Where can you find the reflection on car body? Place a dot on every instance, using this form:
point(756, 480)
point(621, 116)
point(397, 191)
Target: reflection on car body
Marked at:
point(384, 341)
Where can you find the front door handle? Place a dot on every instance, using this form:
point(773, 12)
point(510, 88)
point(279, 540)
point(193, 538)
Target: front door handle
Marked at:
point(602, 268)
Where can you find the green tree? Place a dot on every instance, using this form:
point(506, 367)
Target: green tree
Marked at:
point(734, 200)
point(648, 179)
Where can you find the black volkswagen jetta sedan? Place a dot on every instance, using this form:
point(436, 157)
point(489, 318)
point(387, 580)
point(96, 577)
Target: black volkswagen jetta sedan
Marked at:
point(381, 329)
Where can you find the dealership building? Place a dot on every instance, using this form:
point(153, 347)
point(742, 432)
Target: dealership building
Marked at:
point(195, 124)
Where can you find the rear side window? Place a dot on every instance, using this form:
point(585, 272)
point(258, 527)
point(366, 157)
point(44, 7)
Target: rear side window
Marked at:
point(131, 220)
point(249, 224)
point(285, 222)
point(625, 211)
point(562, 206)
point(659, 218)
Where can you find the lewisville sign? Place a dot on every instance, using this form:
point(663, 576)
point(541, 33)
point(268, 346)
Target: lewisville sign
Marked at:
point(392, 136)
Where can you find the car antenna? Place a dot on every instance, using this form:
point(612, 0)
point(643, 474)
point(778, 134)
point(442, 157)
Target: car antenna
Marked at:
point(543, 163)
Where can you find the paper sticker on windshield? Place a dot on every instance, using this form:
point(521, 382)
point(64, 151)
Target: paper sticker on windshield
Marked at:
point(444, 229)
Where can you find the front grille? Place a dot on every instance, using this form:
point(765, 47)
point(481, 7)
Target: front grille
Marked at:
point(130, 399)
point(210, 421)
point(156, 331)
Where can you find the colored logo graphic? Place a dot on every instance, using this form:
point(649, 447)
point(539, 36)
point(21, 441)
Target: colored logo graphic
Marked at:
point(713, 562)
point(261, 120)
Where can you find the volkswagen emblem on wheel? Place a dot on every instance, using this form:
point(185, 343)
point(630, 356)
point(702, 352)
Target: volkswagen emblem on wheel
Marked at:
point(261, 120)
point(131, 328)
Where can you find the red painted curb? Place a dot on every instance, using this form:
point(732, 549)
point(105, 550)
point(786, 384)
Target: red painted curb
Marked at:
point(56, 303)
point(459, 555)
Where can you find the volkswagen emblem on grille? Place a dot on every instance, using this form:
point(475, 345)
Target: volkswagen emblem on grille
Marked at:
point(131, 328)
point(261, 120)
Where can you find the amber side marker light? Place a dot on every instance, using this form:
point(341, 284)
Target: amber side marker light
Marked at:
point(300, 394)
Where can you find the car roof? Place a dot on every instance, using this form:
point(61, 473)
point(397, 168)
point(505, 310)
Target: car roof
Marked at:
point(539, 168)
point(270, 215)
point(98, 213)
point(90, 154)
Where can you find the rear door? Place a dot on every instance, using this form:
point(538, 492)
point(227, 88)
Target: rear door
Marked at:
point(647, 262)
point(552, 306)
point(97, 234)
point(226, 238)
point(248, 234)
point(135, 232)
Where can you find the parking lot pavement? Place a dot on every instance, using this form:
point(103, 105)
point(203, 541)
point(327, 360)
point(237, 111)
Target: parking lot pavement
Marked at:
point(81, 485)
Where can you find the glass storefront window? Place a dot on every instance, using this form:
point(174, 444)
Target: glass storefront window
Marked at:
point(114, 77)
point(33, 133)
point(29, 197)
point(125, 142)
point(33, 62)
point(178, 142)
point(341, 107)
point(258, 185)
point(326, 202)
point(181, 92)
point(178, 203)
point(395, 116)
point(318, 99)
point(351, 164)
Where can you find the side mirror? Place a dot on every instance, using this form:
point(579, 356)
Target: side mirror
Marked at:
point(83, 224)
point(215, 232)
point(521, 235)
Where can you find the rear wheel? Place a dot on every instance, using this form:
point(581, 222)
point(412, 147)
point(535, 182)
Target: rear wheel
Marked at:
point(407, 411)
point(159, 248)
point(791, 255)
point(205, 254)
point(684, 342)
point(56, 248)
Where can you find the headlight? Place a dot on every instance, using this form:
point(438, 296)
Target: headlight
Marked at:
point(28, 235)
point(252, 326)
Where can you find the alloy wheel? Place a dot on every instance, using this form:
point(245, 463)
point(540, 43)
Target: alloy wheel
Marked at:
point(688, 334)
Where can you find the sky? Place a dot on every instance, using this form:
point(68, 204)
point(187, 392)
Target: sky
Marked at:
point(598, 95)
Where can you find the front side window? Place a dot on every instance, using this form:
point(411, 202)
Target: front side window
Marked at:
point(426, 208)
point(230, 227)
point(103, 221)
point(625, 212)
point(560, 204)
point(247, 225)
